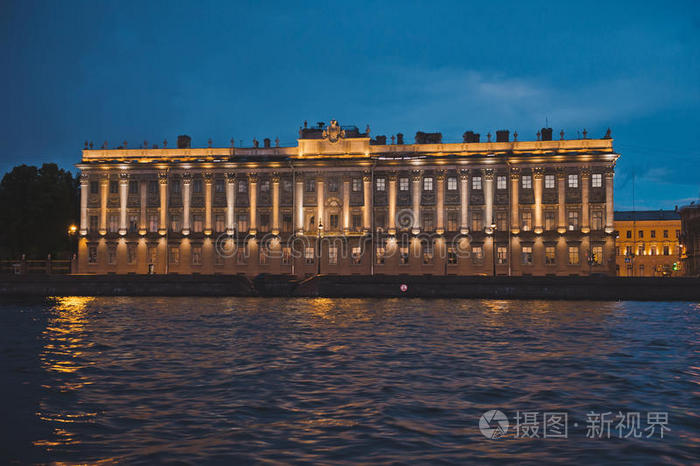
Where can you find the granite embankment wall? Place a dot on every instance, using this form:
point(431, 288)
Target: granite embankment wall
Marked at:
point(356, 286)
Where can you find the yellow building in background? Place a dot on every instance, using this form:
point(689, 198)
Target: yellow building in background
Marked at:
point(648, 243)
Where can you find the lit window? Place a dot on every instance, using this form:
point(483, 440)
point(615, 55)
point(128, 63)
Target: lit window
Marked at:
point(573, 220)
point(403, 252)
point(502, 220)
point(309, 255)
point(153, 223)
point(332, 255)
point(286, 255)
point(219, 185)
point(597, 180)
point(550, 255)
point(477, 254)
point(113, 223)
point(356, 254)
point(198, 223)
point(452, 183)
point(452, 221)
point(549, 219)
point(381, 254)
point(333, 185)
point(381, 184)
point(476, 182)
point(502, 255)
point(92, 254)
point(526, 220)
point(174, 255)
point(243, 223)
point(526, 181)
point(573, 181)
point(242, 187)
point(501, 182)
point(310, 185)
point(427, 184)
point(356, 185)
point(263, 254)
point(451, 255)
point(477, 221)
point(133, 223)
point(219, 224)
point(265, 186)
point(174, 223)
point(597, 220)
point(527, 255)
point(597, 253)
point(152, 253)
point(403, 184)
point(573, 255)
point(427, 247)
point(549, 181)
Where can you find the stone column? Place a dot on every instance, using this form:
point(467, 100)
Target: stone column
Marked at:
point(143, 205)
point(392, 203)
point(230, 202)
point(84, 186)
point(538, 175)
point(320, 199)
point(609, 206)
point(253, 193)
point(186, 197)
point(104, 195)
point(367, 205)
point(208, 180)
point(488, 197)
point(514, 201)
point(464, 200)
point(346, 205)
point(416, 179)
point(123, 193)
point(561, 199)
point(440, 184)
point(585, 211)
point(275, 204)
point(163, 187)
point(299, 204)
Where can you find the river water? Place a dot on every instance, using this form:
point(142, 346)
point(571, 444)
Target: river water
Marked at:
point(346, 380)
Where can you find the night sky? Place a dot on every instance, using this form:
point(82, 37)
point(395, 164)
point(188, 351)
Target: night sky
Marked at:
point(75, 71)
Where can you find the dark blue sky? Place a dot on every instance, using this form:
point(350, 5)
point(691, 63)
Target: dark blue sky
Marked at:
point(135, 71)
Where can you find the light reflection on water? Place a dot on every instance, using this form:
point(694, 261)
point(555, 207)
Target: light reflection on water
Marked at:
point(326, 380)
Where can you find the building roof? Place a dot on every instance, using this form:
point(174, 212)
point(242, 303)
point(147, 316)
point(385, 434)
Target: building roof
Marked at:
point(641, 215)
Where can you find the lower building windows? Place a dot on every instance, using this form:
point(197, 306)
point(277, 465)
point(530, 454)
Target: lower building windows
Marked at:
point(93, 225)
point(550, 255)
point(573, 255)
point(286, 255)
point(175, 223)
point(356, 255)
point(174, 255)
point(477, 221)
point(264, 226)
point(286, 223)
point(403, 255)
point(597, 253)
point(218, 258)
point(526, 220)
point(131, 253)
point(452, 221)
point(502, 255)
point(381, 254)
point(263, 254)
point(597, 220)
point(243, 223)
point(477, 254)
point(527, 255)
point(133, 224)
point(550, 220)
point(666, 250)
point(309, 255)
point(357, 222)
point(113, 223)
point(196, 255)
point(241, 255)
point(152, 254)
point(427, 253)
point(92, 255)
point(332, 255)
point(219, 223)
point(501, 220)
point(573, 220)
point(451, 255)
point(333, 222)
point(153, 223)
point(428, 221)
point(112, 255)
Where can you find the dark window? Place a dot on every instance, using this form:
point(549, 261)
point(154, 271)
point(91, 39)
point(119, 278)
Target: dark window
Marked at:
point(113, 187)
point(94, 187)
point(133, 187)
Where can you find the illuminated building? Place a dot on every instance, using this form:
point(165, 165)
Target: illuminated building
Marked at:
point(690, 238)
point(648, 245)
point(340, 202)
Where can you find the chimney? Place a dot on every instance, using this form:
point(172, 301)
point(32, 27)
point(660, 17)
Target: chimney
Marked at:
point(184, 142)
point(502, 135)
point(266, 143)
point(546, 134)
point(470, 136)
point(399, 138)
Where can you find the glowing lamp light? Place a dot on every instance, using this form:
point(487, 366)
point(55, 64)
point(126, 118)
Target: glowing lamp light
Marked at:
point(72, 229)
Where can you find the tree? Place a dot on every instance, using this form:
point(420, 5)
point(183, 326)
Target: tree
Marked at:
point(36, 208)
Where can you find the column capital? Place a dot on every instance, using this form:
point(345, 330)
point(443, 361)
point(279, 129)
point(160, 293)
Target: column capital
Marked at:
point(488, 173)
point(186, 178)
point(561, 173)
point(585, 172)
point(538, 173)
point(253, 177)
point(464, 174)
point(104, 178)
point(365, 176)
point(440, 175)
point(610, 171)
point(416, 175)
point(275, 177)
point(123, 178)
point(163, 177)
point(514, 173)
point(84, 178)
point(208, 177)
point(231, 177)
point(393, 176)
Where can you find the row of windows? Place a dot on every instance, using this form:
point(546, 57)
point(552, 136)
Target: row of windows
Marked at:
point(652, 233)
point(380, 184)
point(653, 250)
point(310, 253)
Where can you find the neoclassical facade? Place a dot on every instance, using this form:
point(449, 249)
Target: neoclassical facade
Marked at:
point(340, 202)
